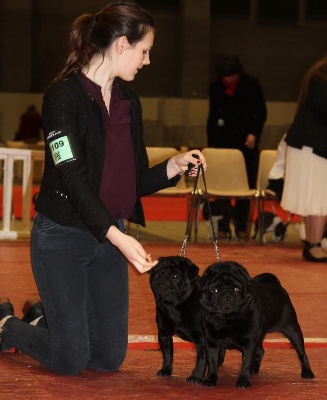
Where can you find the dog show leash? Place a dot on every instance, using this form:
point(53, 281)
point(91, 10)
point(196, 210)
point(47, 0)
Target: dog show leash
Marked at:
point(194, 206)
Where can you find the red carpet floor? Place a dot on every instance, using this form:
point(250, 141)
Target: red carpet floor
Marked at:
point(23, 378)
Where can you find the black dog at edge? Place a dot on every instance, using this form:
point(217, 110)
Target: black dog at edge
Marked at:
point(237, 314)
point(174, 285)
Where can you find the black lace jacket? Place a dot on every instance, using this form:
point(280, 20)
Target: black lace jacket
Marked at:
point(309, 127)
point(74, 157)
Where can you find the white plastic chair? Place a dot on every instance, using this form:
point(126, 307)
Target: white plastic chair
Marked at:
point(226, 178)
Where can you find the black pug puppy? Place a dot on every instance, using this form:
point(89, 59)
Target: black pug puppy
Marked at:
point(237, 314)
point(174, 285)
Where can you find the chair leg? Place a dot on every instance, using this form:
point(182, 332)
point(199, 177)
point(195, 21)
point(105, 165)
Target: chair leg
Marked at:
point(128, 227)
point(250, 218)
point(137, 232)
point(261, 219)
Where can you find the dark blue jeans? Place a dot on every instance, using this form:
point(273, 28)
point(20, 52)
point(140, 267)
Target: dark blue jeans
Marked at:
point(83, 287)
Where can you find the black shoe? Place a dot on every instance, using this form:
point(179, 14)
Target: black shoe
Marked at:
point(224, 235)
point(307, 254)
point(241, 235)
point(6, 308)
point(32, 310)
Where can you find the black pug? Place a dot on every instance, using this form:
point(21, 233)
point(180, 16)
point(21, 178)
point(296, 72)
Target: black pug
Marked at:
point(237, 314)
point(174, 285)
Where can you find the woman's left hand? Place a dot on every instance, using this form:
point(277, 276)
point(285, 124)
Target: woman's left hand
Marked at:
point(179, 164)
point(250, 141)
point(132, 249)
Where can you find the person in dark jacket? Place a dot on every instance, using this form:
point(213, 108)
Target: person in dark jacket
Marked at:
point(30, 126)
point(237, 113)
point(96, 171)
point(305, 187)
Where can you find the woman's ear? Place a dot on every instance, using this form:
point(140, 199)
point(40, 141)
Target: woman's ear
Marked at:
point(121, 44)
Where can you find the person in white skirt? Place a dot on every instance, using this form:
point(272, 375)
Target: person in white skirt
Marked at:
point(305, 187)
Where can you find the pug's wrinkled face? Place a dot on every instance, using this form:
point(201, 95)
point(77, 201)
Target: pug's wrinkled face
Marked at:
point(225, 289)
point(172, 279)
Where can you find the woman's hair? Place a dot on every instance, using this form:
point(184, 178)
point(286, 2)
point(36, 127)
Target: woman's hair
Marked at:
point(95, 33)
point(227, 65)
point(319, 70)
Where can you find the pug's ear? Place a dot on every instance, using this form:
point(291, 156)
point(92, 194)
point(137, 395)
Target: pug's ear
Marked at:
point(206, 305)
point(158, 267)
point(194, 269)
point(202, 283)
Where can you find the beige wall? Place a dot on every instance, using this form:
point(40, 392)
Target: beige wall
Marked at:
point(188, 39)
point(167, 121)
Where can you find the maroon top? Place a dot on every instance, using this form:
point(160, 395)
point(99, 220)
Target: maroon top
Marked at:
point(118, 183)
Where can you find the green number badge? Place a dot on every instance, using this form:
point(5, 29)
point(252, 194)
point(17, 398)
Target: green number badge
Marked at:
point(61, 150)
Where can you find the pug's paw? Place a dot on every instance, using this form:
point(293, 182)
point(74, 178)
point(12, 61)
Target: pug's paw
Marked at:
point(211, 380)
point(243, 382)
point(165, 371)
point(194, 379)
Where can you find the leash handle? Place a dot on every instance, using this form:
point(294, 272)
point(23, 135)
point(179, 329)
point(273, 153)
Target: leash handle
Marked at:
point(194, 199)
point(194, 202)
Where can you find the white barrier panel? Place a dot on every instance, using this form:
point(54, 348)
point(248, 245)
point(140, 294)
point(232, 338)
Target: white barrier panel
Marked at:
point(8, 157)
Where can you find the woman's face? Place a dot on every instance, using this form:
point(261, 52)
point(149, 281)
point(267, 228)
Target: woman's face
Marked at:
point(134, 57)
point(231, 78)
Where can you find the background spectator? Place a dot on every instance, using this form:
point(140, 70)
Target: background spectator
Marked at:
point(237, 113)
point(30, 127)
point(305, 187)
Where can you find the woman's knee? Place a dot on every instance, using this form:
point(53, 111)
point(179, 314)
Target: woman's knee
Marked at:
point(70, 362)
point(108, 360)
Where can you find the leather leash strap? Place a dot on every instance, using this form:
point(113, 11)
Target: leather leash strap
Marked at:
point(194, 203)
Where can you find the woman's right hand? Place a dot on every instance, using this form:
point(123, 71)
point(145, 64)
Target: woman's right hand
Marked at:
point(131, 249)
point(179, 164)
